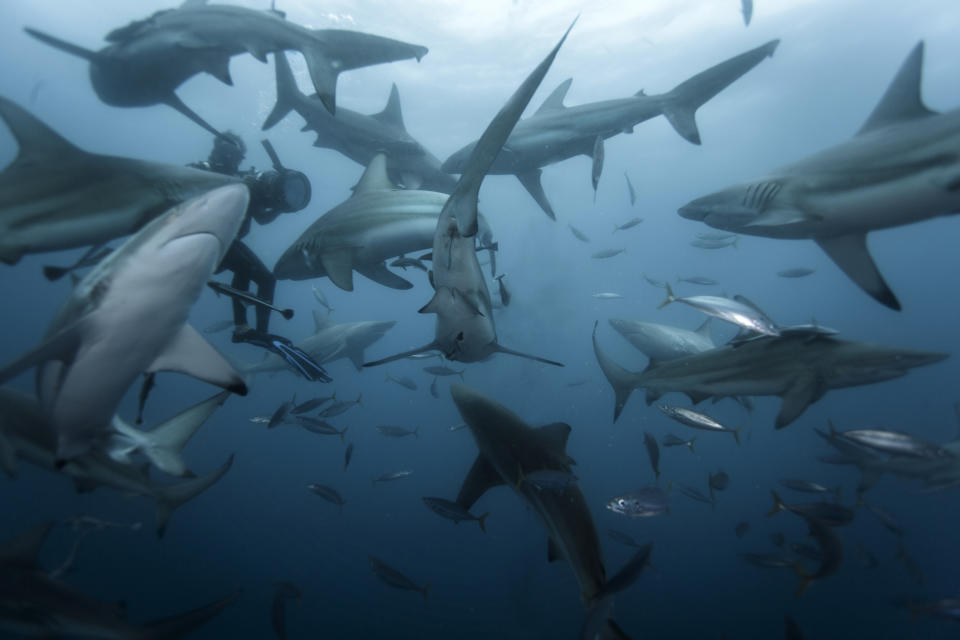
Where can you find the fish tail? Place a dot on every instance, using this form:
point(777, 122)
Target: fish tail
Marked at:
point(690, 443)
point(360, 397)
point(425, 590)
point(622, 382)
point(670, 297)
point(778, 505)
point(344, 433)
point(482, 520)
point(805, 578)
point(172, 496)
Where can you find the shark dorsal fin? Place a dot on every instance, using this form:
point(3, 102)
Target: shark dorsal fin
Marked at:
point(902, 100)
point(554, 437)
point(392, 114)
point(193, 4)
point(555, 100)
point(23, 550)
point(37, 141)
point(481, 477)
point(320, 320)
point(704, 329)
point(375, 177)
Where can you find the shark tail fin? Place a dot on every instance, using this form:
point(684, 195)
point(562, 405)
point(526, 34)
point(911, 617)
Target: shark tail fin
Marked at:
point(680, 105)
point(179, 625)
point(482, 522)
point(670, 297)
point(172, 496)
point(167, 440)
point(778, 505)
point(622, 381)
point(287, 91)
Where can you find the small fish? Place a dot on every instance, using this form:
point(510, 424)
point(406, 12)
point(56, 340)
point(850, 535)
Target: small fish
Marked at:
point(453, 511)
point(424, 356)
point(700, 280)
point(746, 6)
point(894, 443)
point(741, 529)
point(394, 578)
point(805, 486)
point(768, 560)
point(831, 515)
point(715, 244)
point(403, 381)
point(247, 298)
point(339, 407)
point(444, 371)
point(607, 296)
point(329, 494)
point(698, 420)
point(91, 257)
point(260, 419)
point(693, 493)
point(457, 427)
point(322, 299)
point(671, 440)
point(778, 539)
point(796, 272)
point(654, 282)
point(653, 452)
point(310, 405)
point(397, 432)
point(623, 538)
point(84, 522)
point(641, 503)
point(347, 456)
point(548, 479)
point(831, 552)
point(504, 292)
point(579, 235)
point(403, 262)
point(716, 235)
point(718, 482)
point(607, 253)
point(282, 592)
point(280, 415)
point(887, 520)
point(737, 312)
point(321, 428)
point(393, 475)
point(597, 168)
point(217, 327)
point(629, 224)
point(630, 191)
point(433, 388)
point(578, 383)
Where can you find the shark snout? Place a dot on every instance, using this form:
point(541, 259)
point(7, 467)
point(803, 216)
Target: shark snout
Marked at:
point(719, 211)
point(218, 213)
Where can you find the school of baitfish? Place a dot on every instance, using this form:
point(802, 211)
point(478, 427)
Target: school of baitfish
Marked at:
point(169, 228)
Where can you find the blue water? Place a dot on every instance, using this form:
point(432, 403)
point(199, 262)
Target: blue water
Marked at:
point(260, 524)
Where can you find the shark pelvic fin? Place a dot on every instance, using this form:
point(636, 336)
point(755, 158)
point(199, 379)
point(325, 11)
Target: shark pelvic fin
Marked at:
point(190, 353)
point(381, 275)
point(555, 100)
point(392, 114)
point(338, 263)
point(851, 254)
point(902, 100)
point(428, 347)
point(531, 182)
point(481, 477)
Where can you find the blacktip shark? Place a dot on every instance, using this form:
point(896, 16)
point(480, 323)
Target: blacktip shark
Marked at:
point(148, 59)
point(901, 167)
point(800, 366)
point(557, 132)
point(331, 342)
point(663, 342)
point(376, 223)
point(27, 434)
point(510, 450)
point(128, 316)
point(359, 136)
point(36, 604)
point(465, 330)
point(56, 196)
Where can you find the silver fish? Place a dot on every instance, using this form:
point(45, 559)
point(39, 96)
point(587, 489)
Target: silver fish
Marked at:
point(733, 311)
point(607, 253)
point(393, 475)
point(397, 432)
point(640, 503)
point(329, 494)
point(403, 381)
point(453, 511)
point(698, 420)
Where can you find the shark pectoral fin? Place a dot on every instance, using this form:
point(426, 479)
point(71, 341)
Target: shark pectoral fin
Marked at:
point(381, 275)
point(531, 182)
point(440, 297)
point(323, 75)
point(356, 357)
point(553, 551)
point(683, 119)
point(851, 254)
point(428, 347)
point(511, 352)
point(338, 263)
point(62, 347)
point(801, 394)
point(189, 353)
point(481, 477)
point(696, 397)
point(168, 438)
point(554, 437)
point(176, 103)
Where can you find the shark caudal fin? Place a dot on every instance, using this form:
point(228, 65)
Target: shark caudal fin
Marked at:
point(622, 381)
point(680, 105)
point(334, 51)
point(287, 91)
point(170, 497)
point(182, 624)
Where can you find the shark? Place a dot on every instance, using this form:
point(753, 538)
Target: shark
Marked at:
point(510, 450)
point(557, 132)
point(801, 366)
point(128, 316)
point(360, 137)
point(465, 330)
point(33, 603)
point(901, 167)
point(663, 342)
point(147, 60)
point(56, 196)
point(331, 342)
point(27, 434)
point(378, 222)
